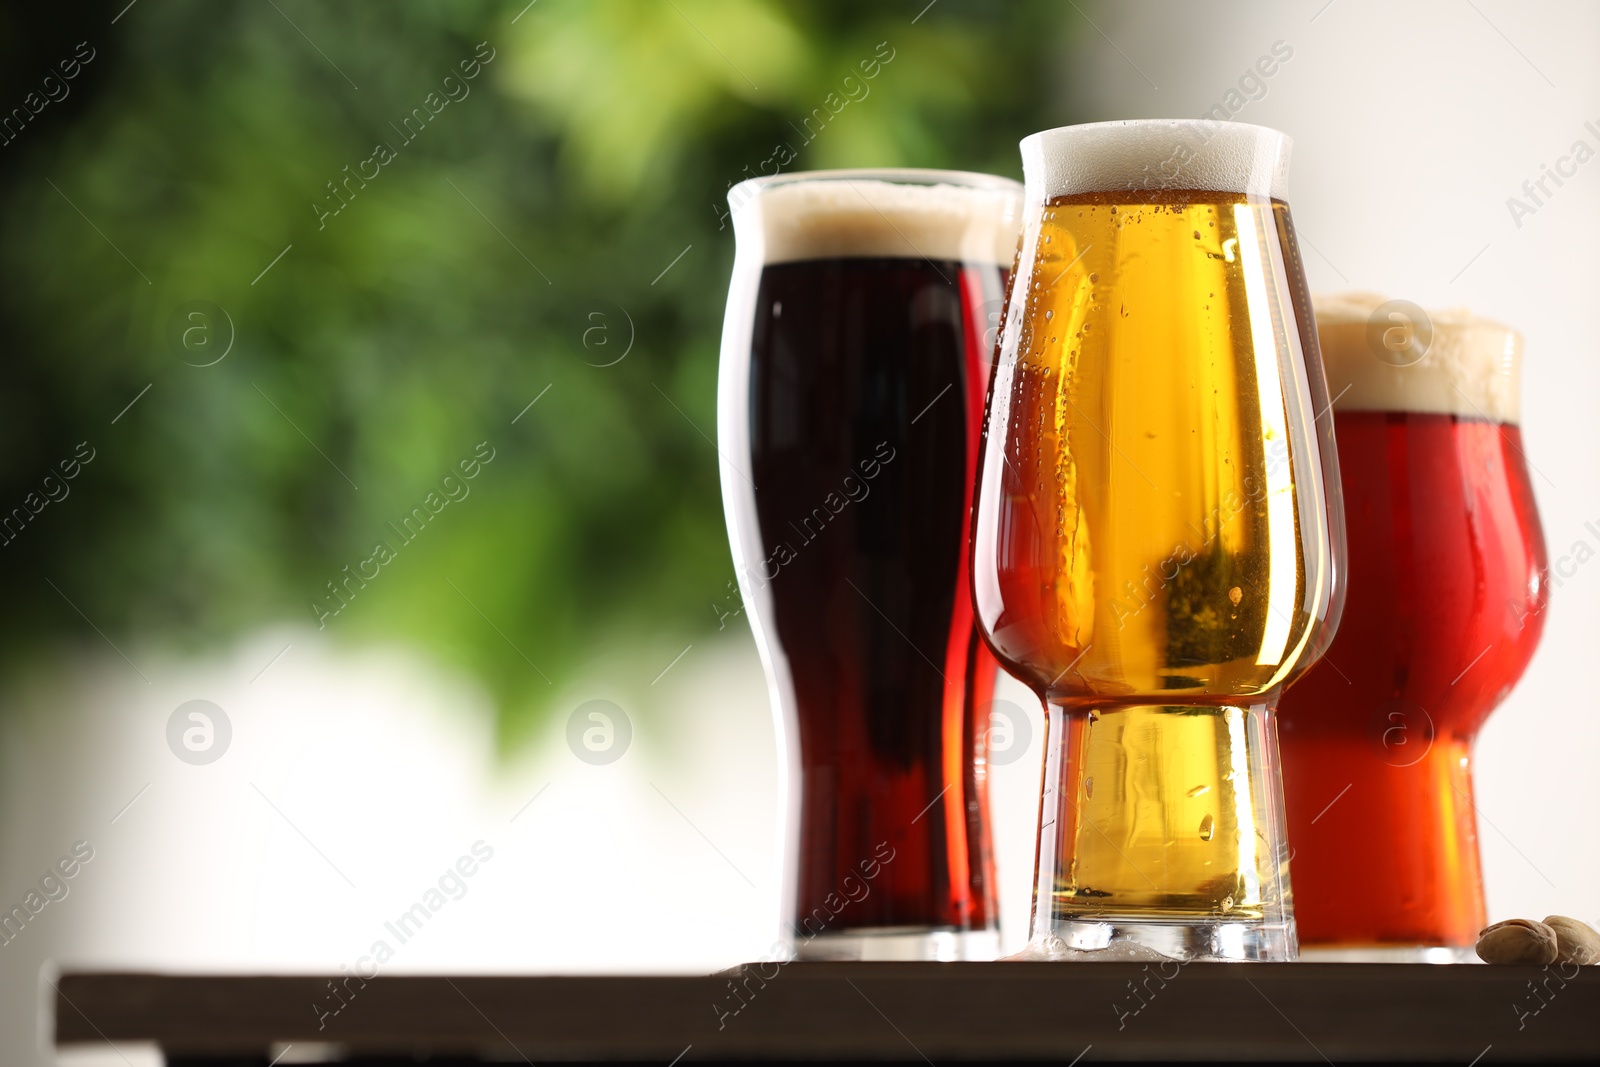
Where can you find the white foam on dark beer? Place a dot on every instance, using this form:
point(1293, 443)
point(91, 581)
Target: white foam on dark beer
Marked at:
point(1471, 367)
point(1146, 154)
point(828, 217)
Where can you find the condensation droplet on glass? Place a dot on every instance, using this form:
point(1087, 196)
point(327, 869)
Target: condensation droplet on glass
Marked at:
point(1093, 278)
point(1207, 825)
point(1088, 786)
point(1048, 315)
point(1199, 790)
point(1227, 904)
point(1235, 595)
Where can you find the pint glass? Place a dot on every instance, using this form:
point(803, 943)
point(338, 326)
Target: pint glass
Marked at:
point(1445, 607)
point(1155, 545)
point(855, 358)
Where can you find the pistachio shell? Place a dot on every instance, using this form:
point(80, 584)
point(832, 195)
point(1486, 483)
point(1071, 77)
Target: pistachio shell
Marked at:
point(1576, 941)
point(1517, 941)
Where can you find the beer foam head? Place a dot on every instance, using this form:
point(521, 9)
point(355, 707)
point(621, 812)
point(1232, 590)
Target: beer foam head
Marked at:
point(942, 215)
point(1149, 154)
point(1391, 355)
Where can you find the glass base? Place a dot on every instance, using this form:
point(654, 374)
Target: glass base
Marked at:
point(1080, 940)
point(1389, 954)
point(942, 944)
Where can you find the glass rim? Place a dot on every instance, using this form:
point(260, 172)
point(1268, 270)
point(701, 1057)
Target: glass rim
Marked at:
point(963, 179)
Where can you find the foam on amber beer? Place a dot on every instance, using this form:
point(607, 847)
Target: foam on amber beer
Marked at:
point(1192, 154)
point(858, 218)
point(1377, 361)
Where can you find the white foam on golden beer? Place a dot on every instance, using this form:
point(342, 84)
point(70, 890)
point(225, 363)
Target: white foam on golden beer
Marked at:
point(1471, 366)
point(832, 215)
point(1152, 154)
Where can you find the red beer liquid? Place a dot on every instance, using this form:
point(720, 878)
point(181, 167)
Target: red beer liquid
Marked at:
point(1444, 608)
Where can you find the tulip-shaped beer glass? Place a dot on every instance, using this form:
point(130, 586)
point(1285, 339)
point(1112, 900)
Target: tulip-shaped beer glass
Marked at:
point(1448, 587)
point(1155, 546)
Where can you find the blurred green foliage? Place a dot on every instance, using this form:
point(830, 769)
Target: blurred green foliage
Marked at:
point(503, 254)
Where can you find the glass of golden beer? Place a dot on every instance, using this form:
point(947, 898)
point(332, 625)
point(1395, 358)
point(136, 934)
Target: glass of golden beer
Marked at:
point(1157, 533)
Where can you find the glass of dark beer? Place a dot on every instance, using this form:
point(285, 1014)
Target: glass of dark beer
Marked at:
point(1446, 599)
point(1157, 532)
point(855, 358)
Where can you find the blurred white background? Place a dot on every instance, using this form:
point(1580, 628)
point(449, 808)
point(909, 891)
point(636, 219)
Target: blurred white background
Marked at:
point(351, 783)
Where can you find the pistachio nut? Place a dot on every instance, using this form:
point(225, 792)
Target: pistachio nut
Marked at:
point(1576, 941)
point(1517, 941)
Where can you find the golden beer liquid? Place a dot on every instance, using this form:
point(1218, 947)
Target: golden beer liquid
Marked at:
point(1151, 567)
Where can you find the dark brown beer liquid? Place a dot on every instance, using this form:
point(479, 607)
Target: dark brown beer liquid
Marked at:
point(867, 385)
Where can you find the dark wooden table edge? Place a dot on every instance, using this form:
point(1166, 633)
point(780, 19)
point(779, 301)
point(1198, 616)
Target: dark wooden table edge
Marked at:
point(996, 1012)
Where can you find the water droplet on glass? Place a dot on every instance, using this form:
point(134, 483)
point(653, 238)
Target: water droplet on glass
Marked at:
point(1199, 790)
point(1207, 824)
point(1048, 315)
point(1235, 595)
point(1093, 278)
point(1227, 904)
point(1088, 786)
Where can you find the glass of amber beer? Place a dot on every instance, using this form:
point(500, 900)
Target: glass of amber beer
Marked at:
point(1155, 545)
point(1446, 605)
point(855, 359)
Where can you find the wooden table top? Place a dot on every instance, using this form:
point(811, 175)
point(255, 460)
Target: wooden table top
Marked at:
point(935, 1012)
